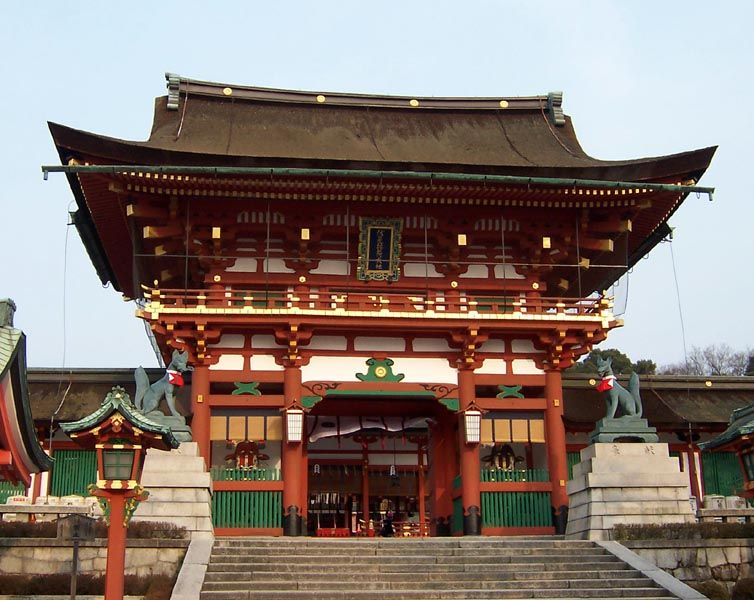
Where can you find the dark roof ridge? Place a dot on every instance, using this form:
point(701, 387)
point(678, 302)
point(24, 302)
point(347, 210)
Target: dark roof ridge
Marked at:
point(176, 84)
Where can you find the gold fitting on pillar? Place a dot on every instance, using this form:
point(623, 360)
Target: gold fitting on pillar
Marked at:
point(199, 398)
point(556, 402)
point(562, 483)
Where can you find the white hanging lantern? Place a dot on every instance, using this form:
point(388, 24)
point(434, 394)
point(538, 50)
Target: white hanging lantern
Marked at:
point(472, 420)
point(294, 420)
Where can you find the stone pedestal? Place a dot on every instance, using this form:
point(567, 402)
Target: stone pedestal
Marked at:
point(623, 429)
point(627, 484)
point(180, 490)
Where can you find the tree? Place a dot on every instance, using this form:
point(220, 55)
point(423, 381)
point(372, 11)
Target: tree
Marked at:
point(715, 359)
point(621, 363)
point(750, 366)
point(645, 366)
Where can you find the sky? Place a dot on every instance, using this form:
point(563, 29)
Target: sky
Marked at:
point(640, 78)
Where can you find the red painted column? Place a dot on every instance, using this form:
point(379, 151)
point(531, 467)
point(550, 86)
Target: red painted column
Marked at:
point(470, 464)
point(200, 408)
point(292, 457)
point(365, 484)
point(116, 548)
point(422, 491)
point(443, 467)
point(556, 449)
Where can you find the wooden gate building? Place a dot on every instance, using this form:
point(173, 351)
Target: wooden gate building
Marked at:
point(411, 274)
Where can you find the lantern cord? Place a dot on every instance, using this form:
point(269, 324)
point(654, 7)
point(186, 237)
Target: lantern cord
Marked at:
point(680, 309)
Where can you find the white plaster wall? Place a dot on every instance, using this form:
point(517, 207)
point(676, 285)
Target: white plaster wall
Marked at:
point(332, 267)
point(420, 270)
point(425, 370)
point(229, 340)
point(492, 346)
point(492, 366)
point(523, 346)
point(525, 366)
point(430, 345)
point(243, 265)
point(475, 272)
point(264, 362)
point(379, 344)
point(228, 362)
point(507, 272)
point(277, 265)
point(336, 368)
point(265, 341)
point(327, 342)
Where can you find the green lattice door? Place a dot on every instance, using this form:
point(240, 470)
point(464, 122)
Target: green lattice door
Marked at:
point(72, 472)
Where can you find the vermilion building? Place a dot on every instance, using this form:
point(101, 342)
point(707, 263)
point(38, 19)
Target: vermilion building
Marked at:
point(412, 273)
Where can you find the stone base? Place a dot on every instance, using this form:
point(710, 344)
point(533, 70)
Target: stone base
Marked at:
point(181, 431)
point(623, 429)
point(180, 490)
point(625, 484)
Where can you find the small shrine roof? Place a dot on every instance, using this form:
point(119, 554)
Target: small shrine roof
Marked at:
point(117, 400)
point(21, 440)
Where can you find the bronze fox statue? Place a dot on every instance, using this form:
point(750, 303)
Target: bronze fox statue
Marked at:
point(616, 395)
point(147, 397)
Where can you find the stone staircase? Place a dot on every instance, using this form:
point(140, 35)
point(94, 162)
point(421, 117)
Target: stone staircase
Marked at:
point(419, 569)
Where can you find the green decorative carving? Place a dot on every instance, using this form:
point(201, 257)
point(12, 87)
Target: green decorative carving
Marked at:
point(509, 391)
point(380, 371)
point(310, 401)
point(451, 404)
point(132, 503)
point(103, 502)
point(246, 388)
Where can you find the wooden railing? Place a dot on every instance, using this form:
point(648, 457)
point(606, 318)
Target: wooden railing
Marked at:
point(248, 510)
point(420, 304)
point(241, 474)
point(72, 472)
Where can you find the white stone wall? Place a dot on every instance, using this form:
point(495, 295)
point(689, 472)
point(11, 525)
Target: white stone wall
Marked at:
point(45, 556)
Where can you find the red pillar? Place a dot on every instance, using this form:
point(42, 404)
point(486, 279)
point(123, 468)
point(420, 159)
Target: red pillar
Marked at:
point(443, 469)
point(365, 484)
point(200, 408)
point(556, 449)
point(116, 548)
point(422, 491)
point(293, 490)
point(470, 465)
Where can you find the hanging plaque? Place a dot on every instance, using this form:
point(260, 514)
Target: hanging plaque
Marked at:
point(379, 249)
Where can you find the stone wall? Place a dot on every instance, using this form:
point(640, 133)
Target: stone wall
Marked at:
point(24, 556)
point(699, 560)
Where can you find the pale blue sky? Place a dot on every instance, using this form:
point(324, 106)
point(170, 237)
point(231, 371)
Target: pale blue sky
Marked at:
point(640, 78)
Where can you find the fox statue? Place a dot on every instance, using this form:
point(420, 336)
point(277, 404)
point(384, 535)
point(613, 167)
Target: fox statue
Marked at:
point(147, 397)
point(616, 395)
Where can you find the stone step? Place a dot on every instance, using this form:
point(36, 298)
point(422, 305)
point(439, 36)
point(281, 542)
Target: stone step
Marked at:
point(390, 584)
point(513, 575)
point(405, 567)
point(407, 550)
point(356, 543)
point(389, 559)
point(599, 593)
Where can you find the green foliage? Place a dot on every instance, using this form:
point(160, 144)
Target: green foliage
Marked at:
point(683, 531)
point(743, 590)
point(714, 590)
point(621, 362)
point(645, 366)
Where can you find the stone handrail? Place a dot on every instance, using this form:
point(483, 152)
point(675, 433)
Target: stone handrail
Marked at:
point(728, 515)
